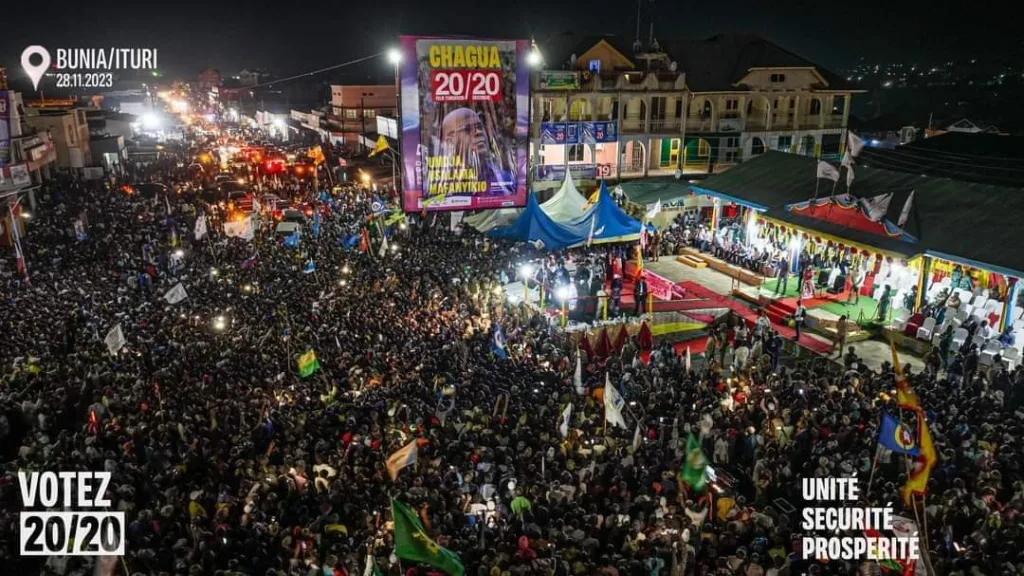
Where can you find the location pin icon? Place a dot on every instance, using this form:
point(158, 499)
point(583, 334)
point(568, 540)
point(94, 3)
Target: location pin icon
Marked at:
point(35, 71)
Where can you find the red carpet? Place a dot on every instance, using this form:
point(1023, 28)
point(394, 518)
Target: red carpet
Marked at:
point(748, 314)
point(696, 346)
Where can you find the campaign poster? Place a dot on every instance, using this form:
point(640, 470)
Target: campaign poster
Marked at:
point(465, 120)
point(6, 105)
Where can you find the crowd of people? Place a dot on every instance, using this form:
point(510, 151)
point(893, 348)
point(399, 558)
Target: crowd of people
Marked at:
point(227, 461)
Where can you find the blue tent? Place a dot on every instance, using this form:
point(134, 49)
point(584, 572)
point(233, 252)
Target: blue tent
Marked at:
point(536, 227)
point(608, 222)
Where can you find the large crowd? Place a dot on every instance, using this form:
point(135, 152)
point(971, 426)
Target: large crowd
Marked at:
point(226, 461)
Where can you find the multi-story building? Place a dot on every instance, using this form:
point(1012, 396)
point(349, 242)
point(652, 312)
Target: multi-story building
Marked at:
point(26, 153)
point(620, 111)
point(354, 110)
point(209, 79)
point(69, 131)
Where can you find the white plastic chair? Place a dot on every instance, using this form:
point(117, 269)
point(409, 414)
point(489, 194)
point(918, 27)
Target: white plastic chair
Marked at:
point(927, 329)
point(959, 337)
point(989, 352)
point(978, 341)
point(1010, 357)
point(966, 307)
point(900, 322)
point(979, 302)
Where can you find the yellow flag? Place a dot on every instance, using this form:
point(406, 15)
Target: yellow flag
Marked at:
point(382, 145)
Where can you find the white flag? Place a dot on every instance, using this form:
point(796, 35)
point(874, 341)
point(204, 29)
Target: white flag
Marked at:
point(563, 427)
point(114, 339)
point(689, 366)
point(654, 211)
point(200, 230)
point(383, 246)
point(854, 144)
point(827, 171)
point(167, 203)
point(176, 294)
point(577, 378)
point(242, 229)
point(403, 457)
point(637, 438)
point(877, 206)
point(905, 214)
point(613, 403)
point(849, 176)
point(456, 220)
point(847, 160)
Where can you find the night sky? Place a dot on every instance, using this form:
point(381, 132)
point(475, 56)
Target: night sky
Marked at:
point(298, 36)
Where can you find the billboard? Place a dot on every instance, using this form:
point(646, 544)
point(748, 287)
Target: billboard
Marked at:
point(578, 132)
point(465, 121)
point(550, 80)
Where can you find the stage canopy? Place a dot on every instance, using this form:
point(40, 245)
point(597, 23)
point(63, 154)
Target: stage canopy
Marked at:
point(567, 204)
point(606, 222)
point(487, 220)
point(537, 228)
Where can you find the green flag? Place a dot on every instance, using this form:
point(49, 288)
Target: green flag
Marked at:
point(695, 466)
point(412, 542)
point(308, 364)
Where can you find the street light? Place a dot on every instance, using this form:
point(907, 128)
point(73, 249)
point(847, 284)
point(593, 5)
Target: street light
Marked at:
point(394, 56)
point(534, 58)
point(179, 253)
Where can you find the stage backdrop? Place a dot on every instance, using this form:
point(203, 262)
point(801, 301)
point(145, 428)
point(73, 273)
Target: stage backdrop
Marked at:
point(465, 121)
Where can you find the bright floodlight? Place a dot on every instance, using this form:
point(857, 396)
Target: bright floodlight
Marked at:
point(279, 122)
point(179, 253)
point(526, 270)
point(562, 293)
point(394, 56)
point(533, 57)
point(150, 120)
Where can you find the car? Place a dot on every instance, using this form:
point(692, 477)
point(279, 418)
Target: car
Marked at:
point(293, 215)
point(287, 229)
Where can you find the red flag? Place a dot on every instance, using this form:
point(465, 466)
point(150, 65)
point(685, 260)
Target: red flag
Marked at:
point(364, 240)
point(645, 337)
point(585, 345)
point(620, 340)
point(94, 425)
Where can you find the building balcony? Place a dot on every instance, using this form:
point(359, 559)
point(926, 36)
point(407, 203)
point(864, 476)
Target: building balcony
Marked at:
point(783, 120)
point(834, 121)
point(695, 124)
point(662, 125)
point(633, 125)
point(731, 124)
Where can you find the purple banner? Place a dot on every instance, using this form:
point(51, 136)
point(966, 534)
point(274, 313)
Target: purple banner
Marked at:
point(465, 120)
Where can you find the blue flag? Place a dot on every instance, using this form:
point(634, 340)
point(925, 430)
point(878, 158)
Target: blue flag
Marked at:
point(316, 224)
point(351, 242)
point(377, 205)
point(498, 343)
point(897, 437)
point(310, 267)
point(291, 240)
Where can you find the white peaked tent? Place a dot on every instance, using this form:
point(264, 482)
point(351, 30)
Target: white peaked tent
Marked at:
point(487, 220)
point(567, 204)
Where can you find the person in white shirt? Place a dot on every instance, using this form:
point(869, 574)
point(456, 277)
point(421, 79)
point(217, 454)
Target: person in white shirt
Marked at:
point(985, 331)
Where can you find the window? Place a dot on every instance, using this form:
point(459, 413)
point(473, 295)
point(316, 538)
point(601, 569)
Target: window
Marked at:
point(784, 144)
point(733, 142)
point(838, 105)
point(369, 113)
point(351, 114)
point(778, 78)
point(594, 66)
point(703, 148)
point(756, 147)
point(575, 153)
point(775, 104)
point(814, 107)
point(732, 104)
